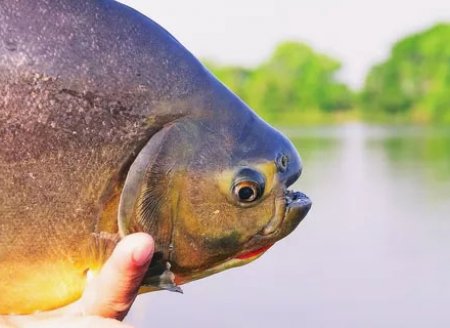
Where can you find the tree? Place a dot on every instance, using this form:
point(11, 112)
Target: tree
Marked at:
point(294, 80)
point(415, 80)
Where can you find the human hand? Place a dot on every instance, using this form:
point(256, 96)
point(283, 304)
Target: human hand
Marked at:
point(107, 297)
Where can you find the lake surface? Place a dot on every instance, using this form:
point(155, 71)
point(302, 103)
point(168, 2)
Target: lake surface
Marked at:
point(373, 252)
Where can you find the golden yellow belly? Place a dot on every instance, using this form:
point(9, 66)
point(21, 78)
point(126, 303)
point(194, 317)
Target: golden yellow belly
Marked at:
point(29, 287)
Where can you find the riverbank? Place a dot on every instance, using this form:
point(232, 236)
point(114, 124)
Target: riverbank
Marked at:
point(316, 117)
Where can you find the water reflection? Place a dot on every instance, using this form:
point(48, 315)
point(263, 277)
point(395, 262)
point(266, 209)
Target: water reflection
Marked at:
point(373, 252)
point(424, 149)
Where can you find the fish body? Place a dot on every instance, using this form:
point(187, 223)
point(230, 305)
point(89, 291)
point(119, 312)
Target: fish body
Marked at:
point(109, 126)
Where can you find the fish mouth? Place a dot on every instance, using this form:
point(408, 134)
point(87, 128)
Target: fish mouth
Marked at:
point(297, 207)
point(291, 210)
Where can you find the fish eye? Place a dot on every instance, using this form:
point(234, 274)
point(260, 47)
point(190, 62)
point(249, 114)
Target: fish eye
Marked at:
point(246, 191)
point(248, 186)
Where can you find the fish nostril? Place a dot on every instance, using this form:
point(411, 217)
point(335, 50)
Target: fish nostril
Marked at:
point(282, 162)
point(289, 167)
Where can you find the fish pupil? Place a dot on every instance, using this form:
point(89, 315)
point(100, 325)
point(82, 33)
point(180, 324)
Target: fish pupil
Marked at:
point(246, 193)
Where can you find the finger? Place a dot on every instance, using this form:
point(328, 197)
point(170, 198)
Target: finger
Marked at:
point(64, 321)
point(111, 293)
point(78, 322)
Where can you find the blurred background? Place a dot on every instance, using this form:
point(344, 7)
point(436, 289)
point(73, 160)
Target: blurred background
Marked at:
point(363, 90)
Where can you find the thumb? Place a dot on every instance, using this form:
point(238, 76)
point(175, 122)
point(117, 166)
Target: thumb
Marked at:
point(111, 293)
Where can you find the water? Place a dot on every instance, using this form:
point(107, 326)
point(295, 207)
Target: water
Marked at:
point(373, 252)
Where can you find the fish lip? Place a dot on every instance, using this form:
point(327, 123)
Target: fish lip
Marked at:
point(297, 207)
point(297, 199)
point(253, 253)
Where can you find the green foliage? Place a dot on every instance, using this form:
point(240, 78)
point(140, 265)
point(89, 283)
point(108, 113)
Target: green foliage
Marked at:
point(298, 85)
point(294, 82)
point(414, 82)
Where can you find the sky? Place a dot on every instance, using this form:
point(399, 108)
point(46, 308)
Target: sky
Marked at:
point(359, 33)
